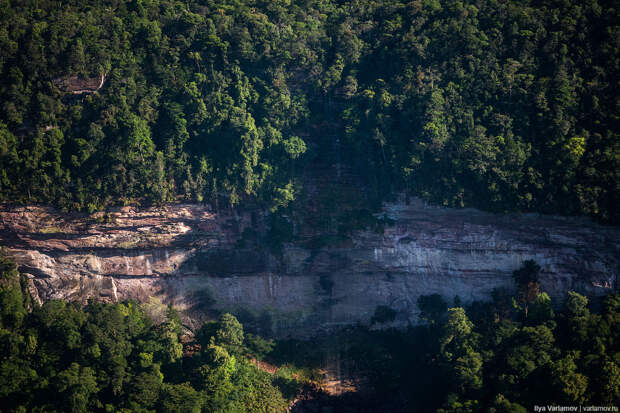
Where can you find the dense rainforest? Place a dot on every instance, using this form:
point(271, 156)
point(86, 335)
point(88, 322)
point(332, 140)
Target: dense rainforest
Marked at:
point(502, 356)
point(503, 105)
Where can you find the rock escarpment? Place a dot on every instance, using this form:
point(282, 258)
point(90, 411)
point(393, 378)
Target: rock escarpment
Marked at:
point(187, 256)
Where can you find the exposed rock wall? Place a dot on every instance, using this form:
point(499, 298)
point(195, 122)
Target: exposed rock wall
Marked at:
point(79, 86)
point(187, 256)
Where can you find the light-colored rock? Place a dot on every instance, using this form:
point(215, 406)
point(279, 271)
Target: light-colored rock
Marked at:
point(187, 256)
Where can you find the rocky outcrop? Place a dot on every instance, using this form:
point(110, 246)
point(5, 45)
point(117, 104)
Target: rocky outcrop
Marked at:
point(187, 256)
point(78, 85)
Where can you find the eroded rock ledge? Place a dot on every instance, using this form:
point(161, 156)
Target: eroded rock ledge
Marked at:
point(187, 256)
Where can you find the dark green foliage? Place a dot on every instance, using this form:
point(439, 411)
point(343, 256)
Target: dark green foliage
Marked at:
point(180, 398)
point(577, 305)
point(504, 105)
point(432, 307)
point(383, 314)
point(258, 345)
point(543, 360)
point(110, 357)
point(280, 231)
point(475, 359)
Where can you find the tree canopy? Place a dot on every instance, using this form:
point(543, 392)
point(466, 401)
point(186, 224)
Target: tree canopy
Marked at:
point(503, 105)
point(475, 358)
point(112, 357)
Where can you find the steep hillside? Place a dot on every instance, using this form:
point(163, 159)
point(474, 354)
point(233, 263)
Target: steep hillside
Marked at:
point(499, 105)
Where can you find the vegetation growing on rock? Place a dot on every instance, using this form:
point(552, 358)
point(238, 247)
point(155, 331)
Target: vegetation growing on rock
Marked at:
point(487, 357)
point(492, 356)
point(112, 357)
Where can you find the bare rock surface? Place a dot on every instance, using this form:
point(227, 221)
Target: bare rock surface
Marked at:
point(187, 256)
point(78, 85)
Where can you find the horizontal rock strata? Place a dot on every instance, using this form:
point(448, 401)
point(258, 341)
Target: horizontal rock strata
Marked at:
point(187, 256)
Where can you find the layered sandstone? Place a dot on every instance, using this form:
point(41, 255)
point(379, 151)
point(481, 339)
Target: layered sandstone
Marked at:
point(187, 256)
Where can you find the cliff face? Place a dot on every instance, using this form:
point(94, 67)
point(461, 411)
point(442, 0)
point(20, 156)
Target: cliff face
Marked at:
point(187, 256)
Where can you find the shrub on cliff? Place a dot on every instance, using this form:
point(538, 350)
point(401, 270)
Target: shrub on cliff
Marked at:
point(383, 314)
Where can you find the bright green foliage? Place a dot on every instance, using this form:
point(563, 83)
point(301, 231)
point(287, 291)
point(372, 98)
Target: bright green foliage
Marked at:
point(282, 197)
point(110, 357)
point(261, 395)
point(294, 147)
point(541, 309)
point(12, 300)
point(456, 331)
point(576, 305)
point(457, 348)
point(215, 378)
point(229, 331)
point(180, 398)
point(504, 105)
point(76, 387)
point(503, 405)
point(569, 384)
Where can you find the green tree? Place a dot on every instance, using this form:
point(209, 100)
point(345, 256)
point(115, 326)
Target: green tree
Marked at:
point(229, 332)
point(145, 388)
point(215, 378)
point(576, 305)
point(12, 309)
point(503, 405)
point(181, 398)
point(541, 309)
point(569, 384)
point(77, 386)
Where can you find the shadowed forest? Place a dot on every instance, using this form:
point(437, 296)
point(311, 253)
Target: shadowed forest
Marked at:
point(501, 105)
point(502, 356)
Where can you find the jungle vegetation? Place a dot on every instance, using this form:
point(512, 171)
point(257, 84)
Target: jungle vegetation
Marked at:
point(505, 355)
point(502, 105)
